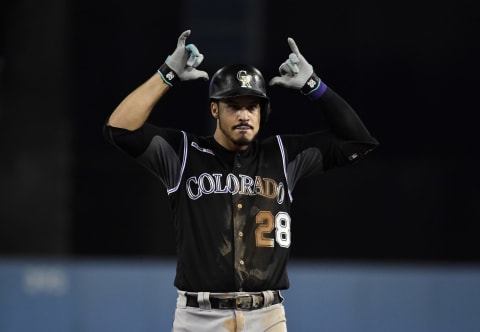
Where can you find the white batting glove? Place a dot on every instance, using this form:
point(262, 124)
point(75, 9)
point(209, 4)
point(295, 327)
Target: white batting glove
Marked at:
point(182, 63)
point(296, 72)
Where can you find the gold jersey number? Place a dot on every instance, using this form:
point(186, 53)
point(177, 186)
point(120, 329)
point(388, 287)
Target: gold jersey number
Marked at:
point(266, 223)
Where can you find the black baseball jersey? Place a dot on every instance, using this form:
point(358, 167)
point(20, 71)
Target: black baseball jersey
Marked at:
point(232, 209)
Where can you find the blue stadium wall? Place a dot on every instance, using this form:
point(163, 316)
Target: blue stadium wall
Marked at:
point(44, 295)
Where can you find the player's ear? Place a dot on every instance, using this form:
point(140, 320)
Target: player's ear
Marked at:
point(214, 108)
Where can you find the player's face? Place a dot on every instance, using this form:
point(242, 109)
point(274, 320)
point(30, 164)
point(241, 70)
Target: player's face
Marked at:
point(238, 121)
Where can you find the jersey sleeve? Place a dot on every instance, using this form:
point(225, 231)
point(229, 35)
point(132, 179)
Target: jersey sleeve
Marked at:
point(160, 150)
point(317, 152)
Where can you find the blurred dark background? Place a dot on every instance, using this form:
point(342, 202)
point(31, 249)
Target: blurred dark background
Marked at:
point(409, 69)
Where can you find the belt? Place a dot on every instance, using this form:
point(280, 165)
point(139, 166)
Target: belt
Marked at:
point(237, 302)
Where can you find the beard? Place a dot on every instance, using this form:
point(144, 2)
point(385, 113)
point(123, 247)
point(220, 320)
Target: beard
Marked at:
point(240, 141)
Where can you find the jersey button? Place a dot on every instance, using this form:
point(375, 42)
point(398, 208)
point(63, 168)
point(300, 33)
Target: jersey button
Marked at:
point(242, 262)
point(240, 234)
point(239, 206)
point(238, 165)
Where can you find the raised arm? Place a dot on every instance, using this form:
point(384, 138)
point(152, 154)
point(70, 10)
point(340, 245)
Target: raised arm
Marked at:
point(297, 73)
point(181, 65)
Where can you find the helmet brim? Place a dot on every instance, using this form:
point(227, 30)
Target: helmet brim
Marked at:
point(238, 93)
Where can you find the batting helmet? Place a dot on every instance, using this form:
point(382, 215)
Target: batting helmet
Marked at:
point(240, 80)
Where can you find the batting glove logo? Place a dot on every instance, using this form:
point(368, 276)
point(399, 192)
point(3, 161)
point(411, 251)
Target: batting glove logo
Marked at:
point(311, 83)
point(170, 75)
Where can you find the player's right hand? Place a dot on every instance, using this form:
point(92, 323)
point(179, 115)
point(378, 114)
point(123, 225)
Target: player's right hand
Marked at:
point(185, 60)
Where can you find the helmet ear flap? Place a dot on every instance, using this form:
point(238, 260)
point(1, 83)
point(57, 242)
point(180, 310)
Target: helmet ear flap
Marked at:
point(265, 112)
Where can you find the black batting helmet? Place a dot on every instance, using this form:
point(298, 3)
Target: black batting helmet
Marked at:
point(240, 80)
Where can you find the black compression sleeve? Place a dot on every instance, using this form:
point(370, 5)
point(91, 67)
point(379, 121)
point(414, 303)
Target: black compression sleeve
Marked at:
point(342, 119)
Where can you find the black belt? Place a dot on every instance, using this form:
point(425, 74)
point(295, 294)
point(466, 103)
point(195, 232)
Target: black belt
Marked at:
point(238, 302)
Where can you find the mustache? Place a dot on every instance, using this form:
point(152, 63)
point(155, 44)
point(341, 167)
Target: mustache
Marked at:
point(243, 124)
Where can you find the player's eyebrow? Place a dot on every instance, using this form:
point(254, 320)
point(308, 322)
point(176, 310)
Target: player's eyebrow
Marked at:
point(236, 101)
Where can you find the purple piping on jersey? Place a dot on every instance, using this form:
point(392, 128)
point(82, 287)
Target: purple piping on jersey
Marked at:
point(318, 92)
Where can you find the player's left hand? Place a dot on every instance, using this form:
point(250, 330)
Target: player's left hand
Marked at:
point(295, 72)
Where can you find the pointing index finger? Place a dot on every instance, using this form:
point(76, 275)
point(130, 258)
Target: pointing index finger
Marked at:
point(293, 46)
point(183, 37)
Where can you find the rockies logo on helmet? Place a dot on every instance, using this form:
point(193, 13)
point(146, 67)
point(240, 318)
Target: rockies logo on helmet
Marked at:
point(244, 78)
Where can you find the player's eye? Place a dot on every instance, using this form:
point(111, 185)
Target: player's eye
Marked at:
point(253, 107)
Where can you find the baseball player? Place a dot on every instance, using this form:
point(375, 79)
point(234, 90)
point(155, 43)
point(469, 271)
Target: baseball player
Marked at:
point(231, 193)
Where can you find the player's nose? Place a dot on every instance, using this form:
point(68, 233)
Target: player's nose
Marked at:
point(243, 113)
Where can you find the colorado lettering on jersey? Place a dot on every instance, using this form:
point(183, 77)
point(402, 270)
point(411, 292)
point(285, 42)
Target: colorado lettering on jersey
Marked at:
point(206, 184)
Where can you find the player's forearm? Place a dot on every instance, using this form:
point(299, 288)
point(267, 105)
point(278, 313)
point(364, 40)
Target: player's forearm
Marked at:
point(135, 109)
point(343, 120)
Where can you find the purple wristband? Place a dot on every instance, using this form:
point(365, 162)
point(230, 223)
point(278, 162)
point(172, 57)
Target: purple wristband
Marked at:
point(318, 92)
